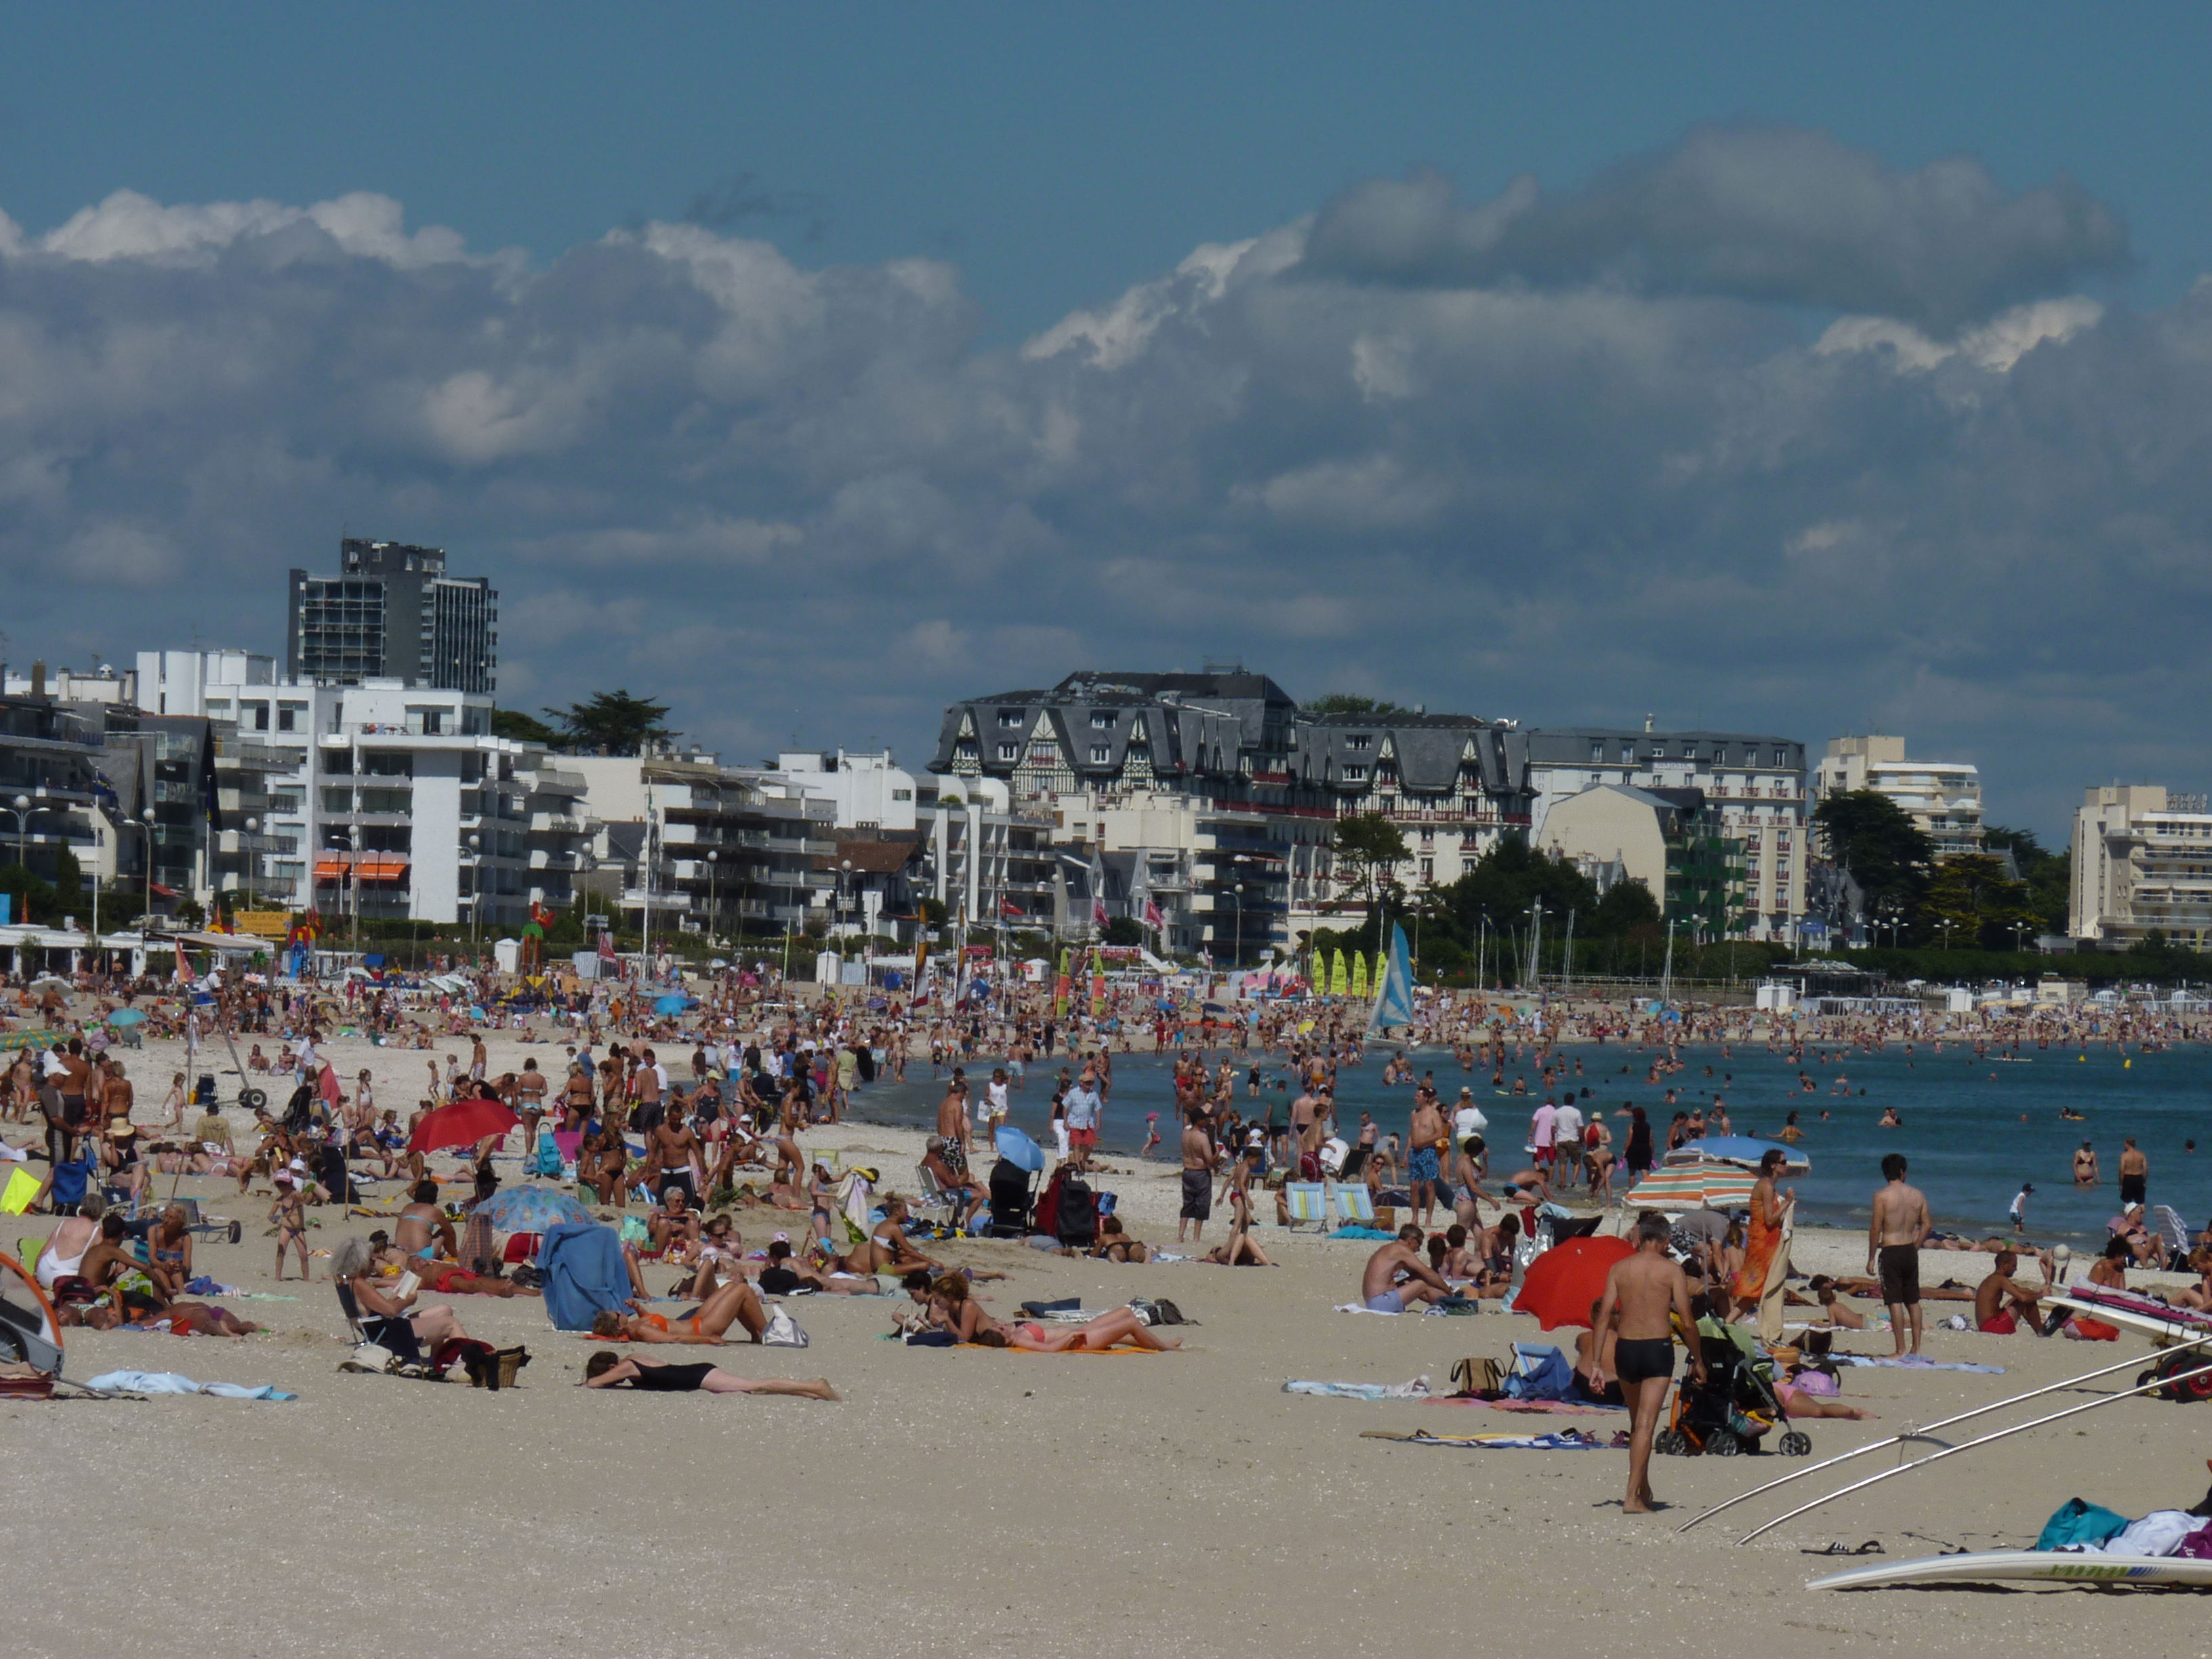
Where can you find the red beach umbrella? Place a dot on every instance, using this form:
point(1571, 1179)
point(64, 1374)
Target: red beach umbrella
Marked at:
point(462, 1124)
point(1561, 1283)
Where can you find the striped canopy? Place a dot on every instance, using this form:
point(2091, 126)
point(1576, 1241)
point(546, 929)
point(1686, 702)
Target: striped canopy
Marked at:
point(1693, 1187)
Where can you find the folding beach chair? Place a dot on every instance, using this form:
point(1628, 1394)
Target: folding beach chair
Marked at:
point(1355, 1207)
point(1308, 1202)
point(930, 1195)
point(2173, 1237)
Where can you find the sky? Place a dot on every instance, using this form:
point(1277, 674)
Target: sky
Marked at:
point(1803, 370)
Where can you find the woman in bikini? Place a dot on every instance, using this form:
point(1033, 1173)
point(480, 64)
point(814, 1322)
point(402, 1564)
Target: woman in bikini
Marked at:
point(289, 1213)
point(735, 1302)
point(952, 1309)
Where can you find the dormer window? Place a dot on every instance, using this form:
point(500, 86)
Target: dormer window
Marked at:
point(1010, 717)
point(1360, 740)
point(1102, 721)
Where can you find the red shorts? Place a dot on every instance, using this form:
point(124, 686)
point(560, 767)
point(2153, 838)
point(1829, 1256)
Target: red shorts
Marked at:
point(1083, 1137)
point(2004, 1324)
point(1545, 1154)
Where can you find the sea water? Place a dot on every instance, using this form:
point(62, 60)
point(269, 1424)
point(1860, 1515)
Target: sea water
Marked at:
point(1974, 1130)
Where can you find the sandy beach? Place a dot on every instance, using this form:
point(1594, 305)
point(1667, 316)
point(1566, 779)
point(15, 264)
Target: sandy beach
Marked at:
point(977, 1502)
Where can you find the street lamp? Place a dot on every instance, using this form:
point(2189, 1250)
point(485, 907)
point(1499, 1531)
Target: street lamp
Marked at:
point(712, 859)
point(24, 812)
point(1236, 884)
point(844, 874)
point(476, 889)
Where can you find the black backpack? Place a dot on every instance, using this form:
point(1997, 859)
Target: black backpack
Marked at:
point(1078, 1214)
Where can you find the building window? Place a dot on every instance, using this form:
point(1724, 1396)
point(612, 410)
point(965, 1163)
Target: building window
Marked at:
point(1360, 740)
point(1009, 751)
point(1102, 722)
point(1355, 775)
point(1597, 754)
point(1658, 751)
point(1428, 869)
point(260, 714)
point(901, 795)
point(1100, 754)
point(1010, 717)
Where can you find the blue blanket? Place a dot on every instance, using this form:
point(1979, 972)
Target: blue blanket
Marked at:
point(582, 1264)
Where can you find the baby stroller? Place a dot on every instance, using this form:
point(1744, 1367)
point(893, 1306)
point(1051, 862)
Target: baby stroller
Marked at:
point(1729, 1413)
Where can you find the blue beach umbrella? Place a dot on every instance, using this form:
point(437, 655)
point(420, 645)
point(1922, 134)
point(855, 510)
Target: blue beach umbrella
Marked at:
point(671, 1004)
point(1746, 1150)
point(1018, 1150)
point(127, 1017)
point(531, 1209)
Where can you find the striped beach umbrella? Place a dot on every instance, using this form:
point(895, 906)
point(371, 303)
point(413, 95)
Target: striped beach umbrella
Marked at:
point(1693, 1187)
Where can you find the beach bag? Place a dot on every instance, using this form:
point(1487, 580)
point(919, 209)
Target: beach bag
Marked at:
point(2078, 1523)
point(549, 1158)
point(783, 1332)
point(1478, 1376)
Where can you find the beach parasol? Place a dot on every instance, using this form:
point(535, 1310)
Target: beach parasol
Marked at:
point(1018, 1150)
point(127, 1017)
point(1746, 1150)
point(671, 1004)
point(55, 981)
point(462, 1124)
point(1562, 1283)
point(531, 1209)
point(1693, 1187)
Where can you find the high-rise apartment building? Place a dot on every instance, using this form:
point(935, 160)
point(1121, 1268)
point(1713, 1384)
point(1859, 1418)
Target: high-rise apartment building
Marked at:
point(1944, 798)
point(392, 613)
point(2143, 863)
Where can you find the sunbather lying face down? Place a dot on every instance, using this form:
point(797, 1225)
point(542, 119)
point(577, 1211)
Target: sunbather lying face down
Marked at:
point(606, 1370)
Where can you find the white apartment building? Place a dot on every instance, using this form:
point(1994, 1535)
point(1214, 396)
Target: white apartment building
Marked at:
point(1755, 781)
point(384, 800)
point(2142, 861)
point(869, 790)
point(1943, 797)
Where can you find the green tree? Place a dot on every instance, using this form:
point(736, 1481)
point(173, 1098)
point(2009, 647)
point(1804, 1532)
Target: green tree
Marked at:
point(1350, 702)
point(1626, 910)
point(612, 723)
point(1367, 848)
point(2049, 875)
point(1126, 930)
point(1877, 840)
point(1970, 898)
point(523, 728)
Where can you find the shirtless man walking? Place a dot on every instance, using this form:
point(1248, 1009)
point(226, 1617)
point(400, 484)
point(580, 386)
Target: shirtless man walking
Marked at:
point(1900, 1227)
point(1381, 1291)
point(1640, 1292)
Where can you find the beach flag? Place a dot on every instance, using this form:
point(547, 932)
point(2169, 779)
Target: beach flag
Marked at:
point(1153, 919)
point(1008, 908)
point(326, 1084)
point(184, 970)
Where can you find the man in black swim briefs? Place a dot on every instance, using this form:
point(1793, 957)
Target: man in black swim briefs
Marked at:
point(1643, 1293)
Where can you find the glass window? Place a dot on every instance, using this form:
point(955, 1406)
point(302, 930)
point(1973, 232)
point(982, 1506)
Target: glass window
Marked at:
point(1008, 751)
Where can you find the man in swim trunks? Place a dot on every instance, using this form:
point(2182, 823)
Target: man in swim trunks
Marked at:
point(1642, 1294)
point(2001, 1302)
point(1898, 1228)
point(1398, 1276)
point(1197, 1176)
point(2135, 1173)
point(1424, 1139)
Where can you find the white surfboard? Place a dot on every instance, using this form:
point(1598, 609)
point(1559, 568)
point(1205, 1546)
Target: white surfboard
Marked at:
point(2011, 1565)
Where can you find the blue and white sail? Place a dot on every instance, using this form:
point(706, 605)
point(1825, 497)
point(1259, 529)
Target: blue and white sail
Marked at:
point(1394, 992)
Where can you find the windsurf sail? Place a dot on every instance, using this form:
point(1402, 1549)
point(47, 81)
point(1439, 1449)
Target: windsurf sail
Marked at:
point(1394, 989)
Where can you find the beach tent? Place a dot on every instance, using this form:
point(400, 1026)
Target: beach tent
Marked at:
point(29, 1331)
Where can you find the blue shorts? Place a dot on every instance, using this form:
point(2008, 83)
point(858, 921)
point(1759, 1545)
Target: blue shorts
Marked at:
point(1422, 1164)
point(1386, 1302)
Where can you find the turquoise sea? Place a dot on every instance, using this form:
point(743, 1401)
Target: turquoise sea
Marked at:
point(1974, 1130)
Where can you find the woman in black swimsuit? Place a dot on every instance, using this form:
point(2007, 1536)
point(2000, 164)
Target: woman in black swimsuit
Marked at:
point(606, 1368)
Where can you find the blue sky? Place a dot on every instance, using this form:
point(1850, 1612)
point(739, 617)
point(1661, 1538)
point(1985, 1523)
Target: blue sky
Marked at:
point(1796, 368)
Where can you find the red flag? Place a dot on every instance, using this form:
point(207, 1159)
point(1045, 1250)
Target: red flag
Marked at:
point(1098, 909)
point(1008, 908)
point(1152, 916)
point(327, 1085)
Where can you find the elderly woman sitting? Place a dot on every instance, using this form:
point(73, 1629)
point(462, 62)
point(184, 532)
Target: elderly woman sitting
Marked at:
point(384, 1316)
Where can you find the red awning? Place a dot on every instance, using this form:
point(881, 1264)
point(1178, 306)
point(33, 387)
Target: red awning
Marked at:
point(373, 866)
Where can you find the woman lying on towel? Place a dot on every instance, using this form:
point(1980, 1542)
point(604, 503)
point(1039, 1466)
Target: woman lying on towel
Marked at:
point(952, 1309)
point(606, 1370)
point(735, 1302)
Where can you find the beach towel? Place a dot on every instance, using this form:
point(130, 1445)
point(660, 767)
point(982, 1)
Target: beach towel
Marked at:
point(2075, 1523)
point(171, 1382)
point(584, 1276)
point(1416, 1390)
point(1539, 1372)
point(1911, 1362)
point(1533, 1408)
point(1562, 1440)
